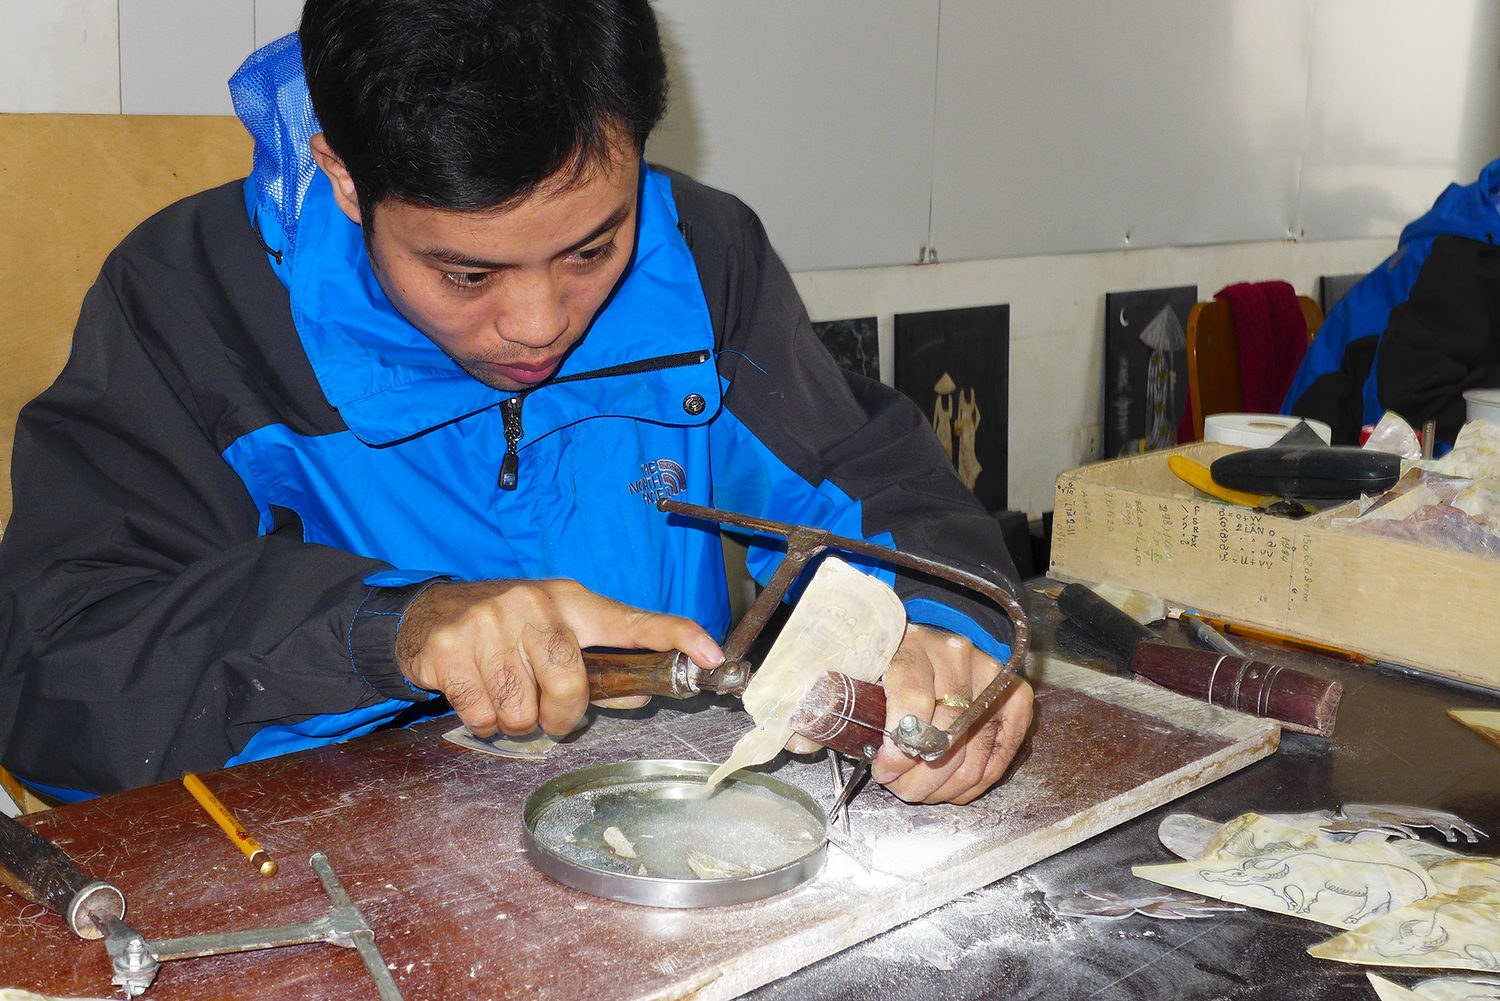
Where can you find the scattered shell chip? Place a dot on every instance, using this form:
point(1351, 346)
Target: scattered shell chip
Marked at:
point(619, 843)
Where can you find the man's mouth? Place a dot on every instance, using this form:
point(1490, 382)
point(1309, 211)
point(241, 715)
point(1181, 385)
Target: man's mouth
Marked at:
point(527, 374)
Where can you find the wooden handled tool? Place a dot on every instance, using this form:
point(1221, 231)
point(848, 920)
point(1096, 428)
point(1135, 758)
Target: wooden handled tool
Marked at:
point(40, 872)
point(1298, 701)
point(615, 674)
point(845, 714)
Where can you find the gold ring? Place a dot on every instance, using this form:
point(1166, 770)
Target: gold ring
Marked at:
point(954, 701)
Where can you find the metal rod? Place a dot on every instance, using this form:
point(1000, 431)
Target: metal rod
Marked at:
point(363, 938)
point(385, 984)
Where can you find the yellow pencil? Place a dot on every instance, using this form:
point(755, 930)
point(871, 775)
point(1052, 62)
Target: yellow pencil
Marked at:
point(241, 837)
point(1276, 639)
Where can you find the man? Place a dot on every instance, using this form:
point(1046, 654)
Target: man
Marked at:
point(388, 421)
point(1418, 330)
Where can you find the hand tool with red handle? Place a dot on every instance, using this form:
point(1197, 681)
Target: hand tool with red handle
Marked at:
point(1297, 700)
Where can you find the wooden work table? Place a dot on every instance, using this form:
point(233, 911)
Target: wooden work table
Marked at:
point(426, 839)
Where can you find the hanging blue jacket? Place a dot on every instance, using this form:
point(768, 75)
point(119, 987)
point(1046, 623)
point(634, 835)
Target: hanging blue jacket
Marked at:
point(252, 462)
point(1350, 376)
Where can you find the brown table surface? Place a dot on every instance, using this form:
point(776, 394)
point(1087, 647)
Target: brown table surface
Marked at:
point(426, 839)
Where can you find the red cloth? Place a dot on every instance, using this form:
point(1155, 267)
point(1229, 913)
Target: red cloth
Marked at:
point(1272, 334)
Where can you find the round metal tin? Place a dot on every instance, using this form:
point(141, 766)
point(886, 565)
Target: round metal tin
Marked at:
point(577, 802)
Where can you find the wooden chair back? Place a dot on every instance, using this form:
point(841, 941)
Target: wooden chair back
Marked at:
point(1213, 358)
point(14, 794)
point(71, 187)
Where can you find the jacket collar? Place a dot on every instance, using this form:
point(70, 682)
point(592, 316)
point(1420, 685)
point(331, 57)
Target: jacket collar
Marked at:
point(388, 381)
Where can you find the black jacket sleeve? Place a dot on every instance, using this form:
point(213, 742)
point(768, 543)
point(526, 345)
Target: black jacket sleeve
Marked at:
point(1445, 338)
point(827, 424)
point(148, 626)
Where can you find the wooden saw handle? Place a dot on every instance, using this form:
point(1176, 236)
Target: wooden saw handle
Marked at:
point(843, 714)
point(39, 871)
point(619, 674)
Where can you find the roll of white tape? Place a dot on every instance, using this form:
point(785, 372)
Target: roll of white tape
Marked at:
point(1482, 403)
point(1255, 430)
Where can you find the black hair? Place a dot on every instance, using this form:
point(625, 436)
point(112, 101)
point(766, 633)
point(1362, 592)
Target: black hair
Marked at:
point(472, 104)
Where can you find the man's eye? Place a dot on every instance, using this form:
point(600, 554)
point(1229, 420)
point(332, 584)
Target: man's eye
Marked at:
point(595, 255)
point(467, 279)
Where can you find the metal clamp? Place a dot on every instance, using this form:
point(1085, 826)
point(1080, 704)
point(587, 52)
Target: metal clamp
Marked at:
point(136, 961)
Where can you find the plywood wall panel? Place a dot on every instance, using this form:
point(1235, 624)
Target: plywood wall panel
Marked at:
point(71, 187)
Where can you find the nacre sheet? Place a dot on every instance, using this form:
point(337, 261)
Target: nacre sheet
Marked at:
point(1485, 722)
point(1437, 989)
point(1340, 885)
point(1448, 931)
point(1407, 902)
point(845, 621)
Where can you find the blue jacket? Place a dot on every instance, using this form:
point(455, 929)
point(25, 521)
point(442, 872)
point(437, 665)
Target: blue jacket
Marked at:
point(262, 462)
point(1339, 380)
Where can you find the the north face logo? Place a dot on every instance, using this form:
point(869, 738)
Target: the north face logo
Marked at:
point(663, 478)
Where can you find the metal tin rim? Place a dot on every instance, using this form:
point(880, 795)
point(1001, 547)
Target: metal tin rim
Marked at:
point(657, 891)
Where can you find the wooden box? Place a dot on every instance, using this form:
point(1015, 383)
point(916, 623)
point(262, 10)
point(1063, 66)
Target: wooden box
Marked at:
point(1131, 521)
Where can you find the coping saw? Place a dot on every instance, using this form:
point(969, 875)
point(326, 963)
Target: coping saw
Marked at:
point(858, 724)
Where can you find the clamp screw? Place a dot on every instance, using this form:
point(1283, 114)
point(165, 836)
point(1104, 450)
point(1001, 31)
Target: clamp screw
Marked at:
point(137, 957)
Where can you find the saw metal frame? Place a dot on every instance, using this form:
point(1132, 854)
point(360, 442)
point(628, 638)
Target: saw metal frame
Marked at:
point(803, 544)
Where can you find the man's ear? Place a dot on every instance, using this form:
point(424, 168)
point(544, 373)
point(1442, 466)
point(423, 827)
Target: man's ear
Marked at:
point(338, 176)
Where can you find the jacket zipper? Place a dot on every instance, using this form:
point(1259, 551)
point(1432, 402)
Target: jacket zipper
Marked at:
point(510, 409)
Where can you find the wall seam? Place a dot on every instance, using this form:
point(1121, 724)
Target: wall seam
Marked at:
point(1296, 230)
point(937, 59)
point(119, 59)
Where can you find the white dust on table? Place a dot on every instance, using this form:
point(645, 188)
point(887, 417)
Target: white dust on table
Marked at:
point(999, 919)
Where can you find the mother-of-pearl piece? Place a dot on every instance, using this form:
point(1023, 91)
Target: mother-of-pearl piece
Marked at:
point(845, 621)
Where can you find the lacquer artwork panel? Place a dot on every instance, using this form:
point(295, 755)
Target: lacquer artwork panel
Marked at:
point(1145, 367)
point(1332, 288)
point(955, 364)
point(854, 344)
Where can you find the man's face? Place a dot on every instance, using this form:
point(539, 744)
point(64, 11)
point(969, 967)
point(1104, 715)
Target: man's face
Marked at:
point(505, 292)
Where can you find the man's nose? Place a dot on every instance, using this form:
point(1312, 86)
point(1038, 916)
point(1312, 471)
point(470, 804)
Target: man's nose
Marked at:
point(534, 313)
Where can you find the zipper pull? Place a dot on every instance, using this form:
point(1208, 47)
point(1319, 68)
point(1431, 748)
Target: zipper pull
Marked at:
point(510, 411)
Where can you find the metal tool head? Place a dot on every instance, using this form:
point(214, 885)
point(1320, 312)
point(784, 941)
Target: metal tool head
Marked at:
point(130, 956)
point(729, 678)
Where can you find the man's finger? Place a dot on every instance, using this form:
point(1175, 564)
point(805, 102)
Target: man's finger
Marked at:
point(601, 621)
point(1014, 719)
point(978, 746)
point(559, 678)
point(908, 692)
point(922, 779)
point(470, 699)
point(799, 744)
point(513, 692)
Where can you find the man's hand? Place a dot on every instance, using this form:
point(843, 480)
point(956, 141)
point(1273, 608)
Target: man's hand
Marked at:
point(929, 665)
point(506, 653)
